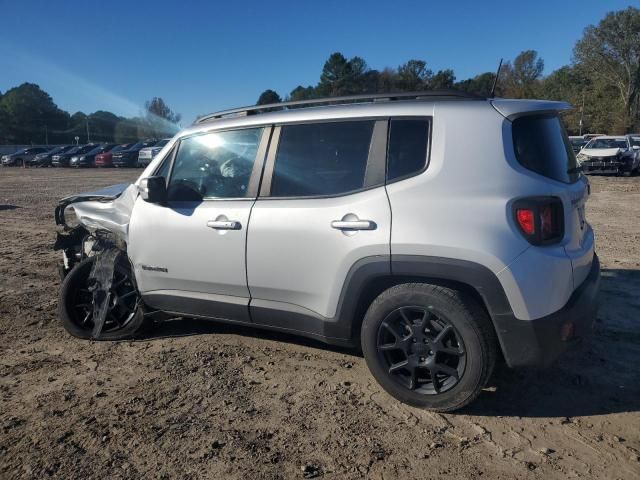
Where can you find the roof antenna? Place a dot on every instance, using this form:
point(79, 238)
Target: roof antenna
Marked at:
point(495, 81)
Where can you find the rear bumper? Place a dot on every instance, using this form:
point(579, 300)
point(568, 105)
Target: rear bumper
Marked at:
point(538, 343)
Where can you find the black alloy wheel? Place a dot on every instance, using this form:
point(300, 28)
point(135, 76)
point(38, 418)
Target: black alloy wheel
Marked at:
point(124, 316)
point(421, 350)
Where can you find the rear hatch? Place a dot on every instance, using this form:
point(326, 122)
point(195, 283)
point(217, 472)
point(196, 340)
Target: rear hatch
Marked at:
point(542, 146)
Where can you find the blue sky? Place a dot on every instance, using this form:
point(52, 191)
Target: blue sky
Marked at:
point(202, 56)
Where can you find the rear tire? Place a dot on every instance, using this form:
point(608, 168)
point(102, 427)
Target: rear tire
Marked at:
point(123, 321)
point(429, 346)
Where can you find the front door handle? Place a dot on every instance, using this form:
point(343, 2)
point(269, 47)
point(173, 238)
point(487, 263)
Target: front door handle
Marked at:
point(353, 225)
point(224, 224)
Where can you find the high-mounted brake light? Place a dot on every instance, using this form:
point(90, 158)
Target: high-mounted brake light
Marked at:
point(540, 219)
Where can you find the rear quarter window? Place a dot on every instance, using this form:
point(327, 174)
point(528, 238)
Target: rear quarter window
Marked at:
point(542, 146)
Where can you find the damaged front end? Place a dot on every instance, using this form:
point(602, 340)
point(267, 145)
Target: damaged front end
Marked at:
point(103, 301)
point(102, 220)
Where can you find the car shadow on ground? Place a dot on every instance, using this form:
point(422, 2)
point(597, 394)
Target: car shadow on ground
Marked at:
point(185, 327)
point(598, 379)
point(8, 207)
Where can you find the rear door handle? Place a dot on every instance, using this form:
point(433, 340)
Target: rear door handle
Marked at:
point(353, 225)
point(224, 224)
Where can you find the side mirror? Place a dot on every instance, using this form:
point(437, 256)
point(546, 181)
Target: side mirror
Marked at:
point(153, 190)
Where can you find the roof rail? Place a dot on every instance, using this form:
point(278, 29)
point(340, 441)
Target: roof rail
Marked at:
point(375, 97)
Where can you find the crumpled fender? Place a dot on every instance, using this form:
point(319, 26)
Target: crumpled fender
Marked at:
point(107, 209)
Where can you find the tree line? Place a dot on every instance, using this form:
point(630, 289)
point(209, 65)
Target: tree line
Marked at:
point(602, 81)
point(28, 115)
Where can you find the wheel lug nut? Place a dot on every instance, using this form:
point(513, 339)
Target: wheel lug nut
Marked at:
point(422, 359)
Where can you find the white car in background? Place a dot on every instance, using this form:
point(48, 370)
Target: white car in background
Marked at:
point(147, 154)
point(610, 155)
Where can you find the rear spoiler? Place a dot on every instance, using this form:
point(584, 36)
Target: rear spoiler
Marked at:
point(512, 109)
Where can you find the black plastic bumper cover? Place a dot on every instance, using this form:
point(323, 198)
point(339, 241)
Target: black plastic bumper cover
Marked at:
point(538, 343)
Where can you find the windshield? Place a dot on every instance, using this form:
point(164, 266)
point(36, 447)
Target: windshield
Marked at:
point(56, 150)
point(607, 143)
point(99, 149)
point(635, 141)
point(162, 143)
point(120, 148)
point(577, 142)
point(85, 148)
point(74, 150)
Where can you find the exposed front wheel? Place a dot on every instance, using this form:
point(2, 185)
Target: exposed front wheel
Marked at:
point(428, 346)
point(124, 314)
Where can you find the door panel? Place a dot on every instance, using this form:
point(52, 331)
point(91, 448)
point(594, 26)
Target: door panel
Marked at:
point(189, 255)
point(295, 256)
point(172, 248)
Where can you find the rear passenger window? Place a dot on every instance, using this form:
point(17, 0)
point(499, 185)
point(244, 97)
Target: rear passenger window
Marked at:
point(408, 145)
point(321, 159)
point(542, 146)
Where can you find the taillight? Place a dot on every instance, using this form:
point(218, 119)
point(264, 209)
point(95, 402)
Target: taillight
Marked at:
point(540, 219)
point(525, 220)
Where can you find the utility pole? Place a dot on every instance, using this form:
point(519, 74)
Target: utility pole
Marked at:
point(88, 133)
point(582, 113)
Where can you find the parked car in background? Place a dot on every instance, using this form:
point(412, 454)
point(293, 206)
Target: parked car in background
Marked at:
point(147, 154)
point(22, 156)
point(129, 157)
point(589, 136)
point(44, 159)
point(88, 159)
point(63, 159)
point(634, 140)
point(105, 159)
point(577, 143)
point(610, 155)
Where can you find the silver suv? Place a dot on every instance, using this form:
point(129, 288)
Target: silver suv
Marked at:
point(436, 231)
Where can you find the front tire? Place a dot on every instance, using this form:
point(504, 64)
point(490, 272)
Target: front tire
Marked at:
point(429, 346)
point(125, 317)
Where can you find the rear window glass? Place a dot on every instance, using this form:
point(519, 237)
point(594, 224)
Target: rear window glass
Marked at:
point(542, 146)
point(321, 159)
point(408, 143)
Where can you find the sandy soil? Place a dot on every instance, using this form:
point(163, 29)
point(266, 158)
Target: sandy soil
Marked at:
point(198, 400)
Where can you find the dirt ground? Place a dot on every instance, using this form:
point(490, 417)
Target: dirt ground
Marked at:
point(195, 399)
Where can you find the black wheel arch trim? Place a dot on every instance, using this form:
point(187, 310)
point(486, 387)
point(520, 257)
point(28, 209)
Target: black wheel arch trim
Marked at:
point(377, 271)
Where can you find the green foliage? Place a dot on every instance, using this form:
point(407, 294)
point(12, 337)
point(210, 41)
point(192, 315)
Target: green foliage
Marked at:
point(609, 54)
point(102, 126)
point(479, 85)
point(28, 113)
point(159, 120)
point(267, 97)
point(126, 130)
point(521, 78)
point(603, 82)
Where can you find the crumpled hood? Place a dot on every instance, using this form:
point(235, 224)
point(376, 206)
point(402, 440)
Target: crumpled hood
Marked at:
point(601, 152)
point(106, 209)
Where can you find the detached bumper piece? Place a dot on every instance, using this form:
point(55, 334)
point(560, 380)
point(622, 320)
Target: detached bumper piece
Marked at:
point(539, 343)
